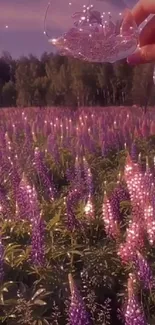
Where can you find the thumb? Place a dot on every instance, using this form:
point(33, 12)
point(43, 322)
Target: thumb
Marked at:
point(144, 54)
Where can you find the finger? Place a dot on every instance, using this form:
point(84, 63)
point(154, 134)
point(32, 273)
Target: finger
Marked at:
point(147, 35)
point(142, 10)
point(144, 54)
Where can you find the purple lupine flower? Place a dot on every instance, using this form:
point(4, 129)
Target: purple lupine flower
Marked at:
point(29, 209)
point(153, 203)
point(14, 181)
point(72, 200)
point(145, 128)
point(5, 168)
point(77, 169)
point(27, 151)
point(87, 177)
point(37, 240)
point(119, 194)
point(143, 270)
point(52, 147)
point(110, 222)
point(134, 314)
point(34, 204)
point(89, 209)
point(127, 135)
point(8, 146)
point(46, 128)
point(1, 261)
point(77, 311)
point(134, 236)
point(149, 222)
point(114, 139)
point(70, 174)
point(2, 140)
point(87, 141)
point(28, 130)
point(23, 197)
point(42, 172)
point(4, 205)
point(134, 153)
point(134, 178)
point(105, 148)
point(148, 182)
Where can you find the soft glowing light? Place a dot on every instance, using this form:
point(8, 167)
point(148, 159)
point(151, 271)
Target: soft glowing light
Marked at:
point(89, 210)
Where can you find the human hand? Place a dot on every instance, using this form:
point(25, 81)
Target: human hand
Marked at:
point(146, 51)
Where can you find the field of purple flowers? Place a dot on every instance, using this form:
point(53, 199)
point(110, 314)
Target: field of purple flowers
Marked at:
point(77, 216)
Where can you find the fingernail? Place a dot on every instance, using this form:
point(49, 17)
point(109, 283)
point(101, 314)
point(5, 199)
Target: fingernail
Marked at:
point(135, 58)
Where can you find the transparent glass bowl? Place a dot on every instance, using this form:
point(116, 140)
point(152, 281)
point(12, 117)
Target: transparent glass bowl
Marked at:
point(95, 32)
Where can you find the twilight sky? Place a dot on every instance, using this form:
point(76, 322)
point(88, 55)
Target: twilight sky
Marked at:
point(24, 19)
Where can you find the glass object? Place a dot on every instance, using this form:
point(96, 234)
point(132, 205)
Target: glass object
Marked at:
point(97, 31)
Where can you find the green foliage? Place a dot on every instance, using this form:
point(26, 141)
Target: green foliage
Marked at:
point(57, 81)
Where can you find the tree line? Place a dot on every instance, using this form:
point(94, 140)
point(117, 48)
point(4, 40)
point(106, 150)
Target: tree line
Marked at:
point(53, 80)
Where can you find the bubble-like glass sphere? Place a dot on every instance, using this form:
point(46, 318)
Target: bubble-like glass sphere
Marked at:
point(95, 31)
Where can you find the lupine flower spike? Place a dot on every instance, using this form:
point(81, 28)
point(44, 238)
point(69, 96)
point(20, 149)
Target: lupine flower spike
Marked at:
point(149, 222)
point(143, 270)
point(71, 201)
point(89, 209)
point(134, 236)
point(110, 222)
point(38, 230)
point(134, 314)
point(77, 311)
point(1, 261)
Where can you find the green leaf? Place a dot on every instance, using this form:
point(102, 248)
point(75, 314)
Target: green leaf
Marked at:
point(1, 299)
point(45, 322)
point(35, 322)
point(12, 316)
point(11, 248)
point(76, 252)
point(38, 293)
point(6, 285)
point(54, 220)
point(39, 302)
point(40, 322)
point(10, 302)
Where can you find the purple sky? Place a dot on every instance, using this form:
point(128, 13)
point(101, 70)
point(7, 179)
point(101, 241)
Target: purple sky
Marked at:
point(24, 19)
